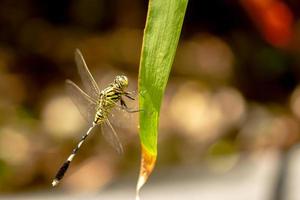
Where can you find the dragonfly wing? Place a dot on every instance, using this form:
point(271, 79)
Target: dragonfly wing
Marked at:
point(121, 118)
point(111, 136)
point(85, 104)
point(88, 81)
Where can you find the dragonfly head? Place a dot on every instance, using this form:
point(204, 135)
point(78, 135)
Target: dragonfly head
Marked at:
point(121, 81)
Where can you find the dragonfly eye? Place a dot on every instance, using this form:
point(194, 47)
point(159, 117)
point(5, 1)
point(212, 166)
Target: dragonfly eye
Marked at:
point(122, 81)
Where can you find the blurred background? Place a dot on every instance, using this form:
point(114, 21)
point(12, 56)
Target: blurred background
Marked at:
point(229, 124)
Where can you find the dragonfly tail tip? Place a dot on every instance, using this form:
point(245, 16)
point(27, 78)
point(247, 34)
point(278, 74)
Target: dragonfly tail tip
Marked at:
point(55, 182)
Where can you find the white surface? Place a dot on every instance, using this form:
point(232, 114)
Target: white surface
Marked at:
point(252, 180)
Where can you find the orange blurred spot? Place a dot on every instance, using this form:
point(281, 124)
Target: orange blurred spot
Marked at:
point(273, 18)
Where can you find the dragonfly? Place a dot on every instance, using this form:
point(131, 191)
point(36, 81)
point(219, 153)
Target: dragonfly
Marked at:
point(96, 107)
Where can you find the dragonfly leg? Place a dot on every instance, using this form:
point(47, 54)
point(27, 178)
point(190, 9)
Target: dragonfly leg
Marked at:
point(128, 95)
point(125, 107)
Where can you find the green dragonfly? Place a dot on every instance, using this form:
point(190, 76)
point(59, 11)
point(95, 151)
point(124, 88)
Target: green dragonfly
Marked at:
point(96, 106)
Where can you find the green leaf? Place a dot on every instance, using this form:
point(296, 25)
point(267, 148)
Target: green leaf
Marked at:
point(161, 35)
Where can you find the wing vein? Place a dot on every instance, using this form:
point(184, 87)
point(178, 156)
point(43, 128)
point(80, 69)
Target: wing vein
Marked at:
point(85, 104)
point(88, 81)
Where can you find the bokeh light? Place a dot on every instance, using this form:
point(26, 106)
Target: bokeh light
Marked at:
point(62, 123)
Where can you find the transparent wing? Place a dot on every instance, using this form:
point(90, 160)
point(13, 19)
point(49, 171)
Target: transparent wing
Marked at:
point(111, 136)
point(85, 104)
point(88, 81)
point(122, 119)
